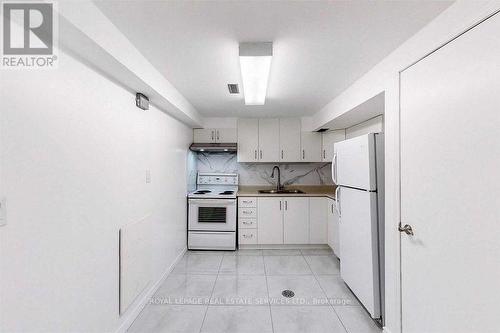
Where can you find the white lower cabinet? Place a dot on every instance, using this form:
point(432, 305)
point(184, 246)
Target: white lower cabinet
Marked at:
point(247, 236)
point(284, 220)
point(333, 227)
point(247, 220)
point(295, 220)
point(270, 220)
point(318, 223)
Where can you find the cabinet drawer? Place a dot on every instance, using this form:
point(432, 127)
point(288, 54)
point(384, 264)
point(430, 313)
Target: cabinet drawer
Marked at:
point(247, 223)
point(247, 236)
point(247, 212)
point(247, 202)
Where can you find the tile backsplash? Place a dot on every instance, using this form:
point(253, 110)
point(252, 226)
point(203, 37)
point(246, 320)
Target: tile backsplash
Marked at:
point(260, 173)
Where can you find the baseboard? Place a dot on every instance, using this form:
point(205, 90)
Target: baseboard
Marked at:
point(282, 246)
point(135, 309)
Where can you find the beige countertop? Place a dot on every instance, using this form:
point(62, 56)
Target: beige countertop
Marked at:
point(310, 191)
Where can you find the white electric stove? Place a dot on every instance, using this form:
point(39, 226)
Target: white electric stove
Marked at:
point(212, 212)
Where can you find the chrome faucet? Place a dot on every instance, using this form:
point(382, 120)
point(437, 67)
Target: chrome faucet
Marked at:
point(278, 182)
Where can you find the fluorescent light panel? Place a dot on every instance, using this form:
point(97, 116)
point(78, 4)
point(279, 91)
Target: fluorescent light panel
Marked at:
point(255, 63)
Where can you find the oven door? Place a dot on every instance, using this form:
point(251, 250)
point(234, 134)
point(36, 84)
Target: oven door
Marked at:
point(212, 214)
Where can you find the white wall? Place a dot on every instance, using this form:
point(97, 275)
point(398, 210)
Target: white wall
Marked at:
point(75, 150)
point(385, 78)
point(374, 125)
point(220, 122)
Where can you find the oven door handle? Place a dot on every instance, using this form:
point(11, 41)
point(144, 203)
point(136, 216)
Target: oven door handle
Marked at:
point(212, 202)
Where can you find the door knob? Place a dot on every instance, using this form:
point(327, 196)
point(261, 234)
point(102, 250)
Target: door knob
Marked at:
point(406, 229)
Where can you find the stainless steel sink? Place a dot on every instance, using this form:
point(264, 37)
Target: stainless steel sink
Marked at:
point(281, 192)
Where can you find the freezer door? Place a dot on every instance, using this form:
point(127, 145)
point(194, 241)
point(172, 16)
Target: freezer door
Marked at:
point(354, 163)
point(359, 267)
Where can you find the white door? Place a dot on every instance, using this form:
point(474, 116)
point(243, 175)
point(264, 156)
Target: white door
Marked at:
point(311, 147)
point(203, 135)
point(450, 186)
point(269, 140)
point(270, 220)
point(225, 135)
point(296, 220)
point(329, 139)
point(333, 227)
point(354, 163)
point(289, 139)
point(358, 230)
point(318, 221)
point(248, 140)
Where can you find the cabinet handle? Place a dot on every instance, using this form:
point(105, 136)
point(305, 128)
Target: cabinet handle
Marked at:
point(256, 154)
point(303, 154)
point(324, 154)
point(280, 204)
point(217, 135)
point(247, 223)
point(212, 135)
point(248, 236)
point(286, 205)
point(332, 207)
point(282, 154)
point(261, 154)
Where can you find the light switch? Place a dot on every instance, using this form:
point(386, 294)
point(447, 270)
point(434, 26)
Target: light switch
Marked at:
point(3, 213)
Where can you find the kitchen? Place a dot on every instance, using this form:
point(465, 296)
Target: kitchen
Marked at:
point(250, 166)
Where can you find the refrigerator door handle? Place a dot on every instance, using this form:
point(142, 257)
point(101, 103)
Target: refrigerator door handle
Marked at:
point(337, 200)
point(334, 168)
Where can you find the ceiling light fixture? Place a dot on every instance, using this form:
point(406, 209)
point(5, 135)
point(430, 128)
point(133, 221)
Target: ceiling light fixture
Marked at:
point(255, 63)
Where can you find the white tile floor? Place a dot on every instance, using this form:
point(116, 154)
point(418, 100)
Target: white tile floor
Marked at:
point(241, 292)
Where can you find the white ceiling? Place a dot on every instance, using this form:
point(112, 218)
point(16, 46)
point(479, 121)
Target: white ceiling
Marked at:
point(320, 48)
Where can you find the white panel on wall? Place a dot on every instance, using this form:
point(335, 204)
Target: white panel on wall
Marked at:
point(374, 125)
point(135, 261)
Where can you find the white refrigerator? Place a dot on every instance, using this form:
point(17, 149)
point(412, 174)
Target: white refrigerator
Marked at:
point(358, 171)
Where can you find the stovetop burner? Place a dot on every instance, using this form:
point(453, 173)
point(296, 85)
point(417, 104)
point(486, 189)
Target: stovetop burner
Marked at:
point(202, 192)
point(226, 193)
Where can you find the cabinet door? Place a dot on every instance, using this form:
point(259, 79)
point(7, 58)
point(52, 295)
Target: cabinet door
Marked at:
point(203, 135)
point(329, 138)
point(248, 140)
point(289, 140)
point(296, 220)
point(311, 147)
point(270, 217)
point(318, 221)
point(225, 135)
point(269, 140)
point(333, 227)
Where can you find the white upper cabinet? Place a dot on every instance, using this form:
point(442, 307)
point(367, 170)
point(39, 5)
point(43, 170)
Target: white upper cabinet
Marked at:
point(278, 140)
point(226, 135)
point(248, 140)
point(289, 132)
point(318, 221)
point(204, 135)
point(269, 140)
point(295, 220)
point(310, 147)
point(329, 138)
point(214, 135)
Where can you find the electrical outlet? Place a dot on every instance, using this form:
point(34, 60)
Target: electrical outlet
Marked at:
point(148, 176)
